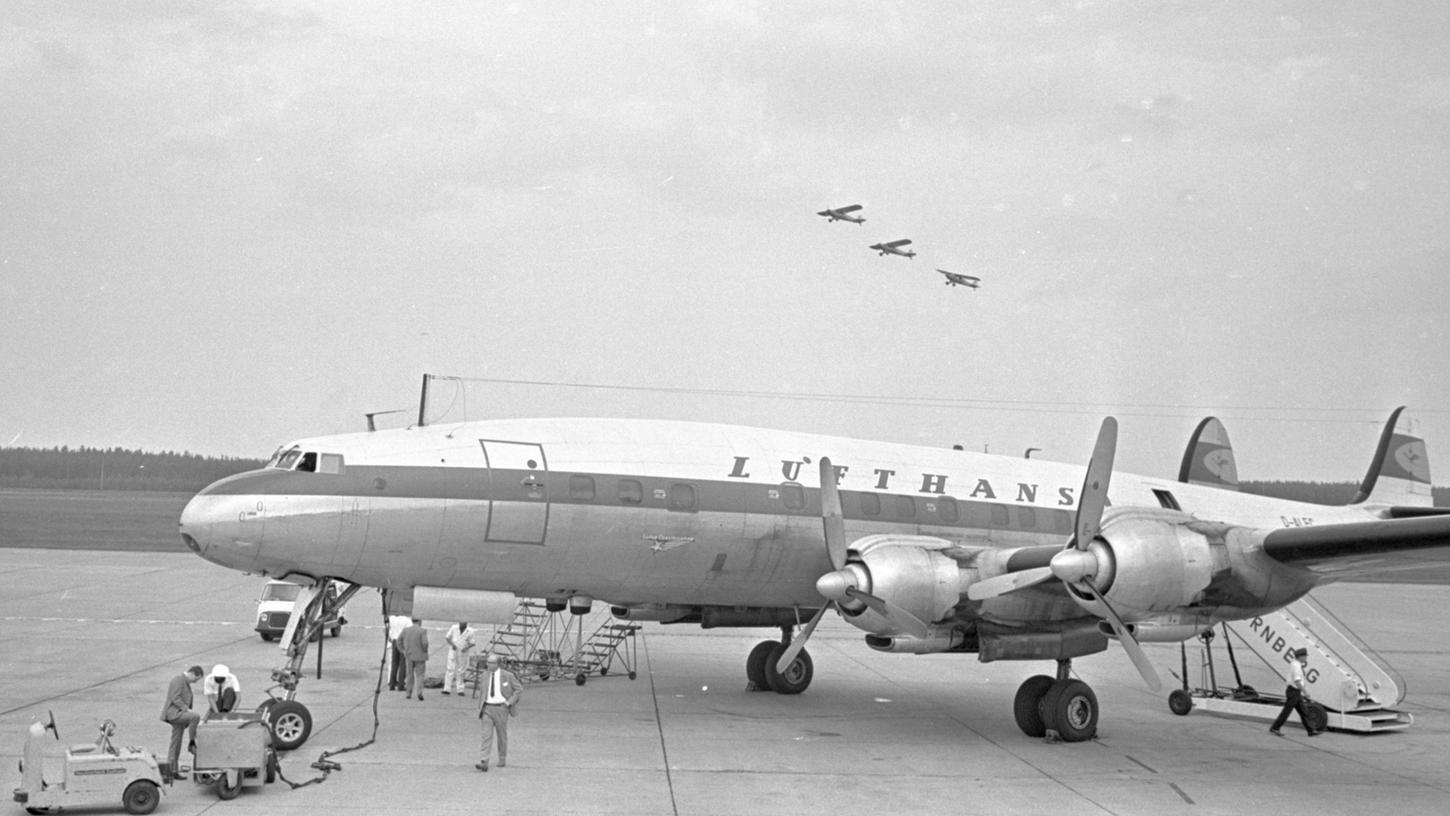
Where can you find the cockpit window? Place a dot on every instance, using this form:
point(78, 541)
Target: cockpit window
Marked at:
point(285, 459)
point(294, 458)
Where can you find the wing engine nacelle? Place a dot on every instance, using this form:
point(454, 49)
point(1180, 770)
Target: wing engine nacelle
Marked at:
point(1152, 564)
point(909, 572)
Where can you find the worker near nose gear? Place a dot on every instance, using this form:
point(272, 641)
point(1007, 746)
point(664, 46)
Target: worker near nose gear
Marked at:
point(221, 689)
point(177, 713)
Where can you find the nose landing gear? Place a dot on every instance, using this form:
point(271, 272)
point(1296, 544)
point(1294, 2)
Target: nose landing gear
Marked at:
point(290, 721)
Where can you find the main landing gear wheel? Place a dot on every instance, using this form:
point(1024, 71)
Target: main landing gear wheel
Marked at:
point(1071, 709)
point(141, 796)
point(1027, 707)
point(291, 724)
point(797, 676)
point(755, 664)
point(1180, 702)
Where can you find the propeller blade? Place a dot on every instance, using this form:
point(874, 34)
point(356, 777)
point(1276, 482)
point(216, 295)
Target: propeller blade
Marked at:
point(1009, 582)
point(798, 643)
point(898, 617)
point(832, 519)
point(1125, 637)
point(1094, 496)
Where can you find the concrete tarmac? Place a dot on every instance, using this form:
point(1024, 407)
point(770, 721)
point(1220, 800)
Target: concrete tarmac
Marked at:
point(96, 635)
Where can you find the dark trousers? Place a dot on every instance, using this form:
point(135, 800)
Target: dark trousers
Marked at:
point(1293, 701)
point(398, 672)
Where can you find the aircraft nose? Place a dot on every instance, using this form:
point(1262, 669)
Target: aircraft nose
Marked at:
point(223, 523)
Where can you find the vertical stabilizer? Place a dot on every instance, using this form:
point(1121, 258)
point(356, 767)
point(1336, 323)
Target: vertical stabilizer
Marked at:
point(1209, 459)
point(1399, 474)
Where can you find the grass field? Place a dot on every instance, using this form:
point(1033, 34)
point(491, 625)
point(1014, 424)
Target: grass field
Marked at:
point(91, 519)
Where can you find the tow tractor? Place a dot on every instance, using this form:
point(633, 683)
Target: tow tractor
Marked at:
point(95, 773)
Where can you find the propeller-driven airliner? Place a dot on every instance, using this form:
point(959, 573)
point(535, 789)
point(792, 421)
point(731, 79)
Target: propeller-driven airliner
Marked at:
point(843, 214)
point(894, 248)
point(925, 550)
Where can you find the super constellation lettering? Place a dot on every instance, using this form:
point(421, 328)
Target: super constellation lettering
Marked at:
point(931, 483)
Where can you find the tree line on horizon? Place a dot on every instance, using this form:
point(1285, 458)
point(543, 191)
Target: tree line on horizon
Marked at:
point(85, 468)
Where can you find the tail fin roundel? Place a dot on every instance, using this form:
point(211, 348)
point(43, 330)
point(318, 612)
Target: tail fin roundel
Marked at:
point(1399, 474)
point(1209, 459)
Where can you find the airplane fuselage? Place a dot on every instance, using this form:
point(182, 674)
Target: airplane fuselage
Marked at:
point(648, 512)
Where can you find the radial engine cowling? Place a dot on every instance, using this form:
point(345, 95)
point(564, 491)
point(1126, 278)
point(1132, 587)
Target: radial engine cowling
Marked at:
point(1150, 561)
point(909, 572)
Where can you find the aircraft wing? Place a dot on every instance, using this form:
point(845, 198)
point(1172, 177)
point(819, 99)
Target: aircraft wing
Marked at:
point(898, 243)
point(850, 209)
point(1394, 545)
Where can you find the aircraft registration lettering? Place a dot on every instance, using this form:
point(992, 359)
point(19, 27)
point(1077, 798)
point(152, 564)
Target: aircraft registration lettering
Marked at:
point(1297, 521)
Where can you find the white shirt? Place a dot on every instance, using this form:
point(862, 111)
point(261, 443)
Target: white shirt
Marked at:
point(495, 690)
point(1296, 674)
point(396, 625)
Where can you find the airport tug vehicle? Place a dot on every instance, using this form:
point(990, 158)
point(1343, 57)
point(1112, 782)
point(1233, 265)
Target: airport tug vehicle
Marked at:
point(95, 773)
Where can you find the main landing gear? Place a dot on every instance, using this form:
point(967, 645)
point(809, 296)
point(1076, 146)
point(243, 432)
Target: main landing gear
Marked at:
point(290, 721)
point(761, 670)
point(1061, 705)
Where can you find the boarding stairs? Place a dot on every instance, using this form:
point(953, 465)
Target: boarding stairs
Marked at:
point(1356, 687)
point(538, 644)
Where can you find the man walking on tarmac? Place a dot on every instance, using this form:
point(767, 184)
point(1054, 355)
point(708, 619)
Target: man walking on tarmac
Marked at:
point(1294, 696)
point(502, 692)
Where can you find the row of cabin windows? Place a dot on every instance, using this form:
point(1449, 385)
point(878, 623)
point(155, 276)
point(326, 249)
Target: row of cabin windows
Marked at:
point(681, 497)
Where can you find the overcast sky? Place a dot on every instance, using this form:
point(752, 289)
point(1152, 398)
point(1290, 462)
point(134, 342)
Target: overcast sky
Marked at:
point(224, 225)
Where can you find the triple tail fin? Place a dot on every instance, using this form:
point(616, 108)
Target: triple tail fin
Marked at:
point(1209, 459)
point(1399, 474)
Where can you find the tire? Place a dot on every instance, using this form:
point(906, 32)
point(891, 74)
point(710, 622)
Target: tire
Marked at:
point(268, 638)
point(337, 630)
point(1027, 706)
point(603, 671)
point(1318, 717)
point(632, 675)
point(141, 796)
point(797, 676)
point(755, 664)
point(579, 679)
point(1179, 702)
point(291, 724)
point(271, 771)
point(226, 791)
point(1071, 709)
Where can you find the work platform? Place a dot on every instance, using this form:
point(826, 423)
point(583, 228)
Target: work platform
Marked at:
point(96, 635)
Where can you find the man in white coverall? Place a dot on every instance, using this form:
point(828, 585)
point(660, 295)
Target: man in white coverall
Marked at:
point(460, 648)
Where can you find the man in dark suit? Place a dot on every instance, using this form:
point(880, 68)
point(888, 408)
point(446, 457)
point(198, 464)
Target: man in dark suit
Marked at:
point(501, 692)
point(414, 642)
point(178, 714)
